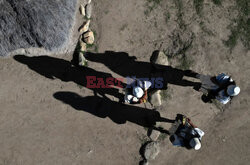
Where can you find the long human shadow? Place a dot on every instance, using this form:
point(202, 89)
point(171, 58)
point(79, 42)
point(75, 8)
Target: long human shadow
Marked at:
point(52, 68)
point(127, 66)
point(118, 113)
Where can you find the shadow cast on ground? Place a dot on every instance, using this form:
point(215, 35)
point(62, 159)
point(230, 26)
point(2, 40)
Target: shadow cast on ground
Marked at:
point(127, 66)
point(117, 112)
point(54, 68)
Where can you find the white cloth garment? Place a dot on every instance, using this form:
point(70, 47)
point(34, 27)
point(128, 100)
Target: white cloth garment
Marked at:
point(223, 97)
point(178, 141)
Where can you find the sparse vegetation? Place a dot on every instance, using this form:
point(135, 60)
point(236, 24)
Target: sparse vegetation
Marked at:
point(165, 94)
point(181, 42)
point(80, 86)
point(88, 46)
point(155, 24)
point(240, 28)
point(91, 46)
point(106, 11)
point(205, 29)
point(143, 138)
point(217, 2)
point(86, 18)
point(218, 105)
point(151, 5)
point(185, 62)
point(167, 16)
point(162, 137)
point(96, 49)
point(124, 26)
point(198, 4)
point(179, 5)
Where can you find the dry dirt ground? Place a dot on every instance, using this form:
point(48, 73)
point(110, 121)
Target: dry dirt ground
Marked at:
point(37, 128)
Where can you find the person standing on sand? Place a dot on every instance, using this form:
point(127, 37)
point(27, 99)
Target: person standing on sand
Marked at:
point(187, 134)
point(221, 87)
point(137, 94)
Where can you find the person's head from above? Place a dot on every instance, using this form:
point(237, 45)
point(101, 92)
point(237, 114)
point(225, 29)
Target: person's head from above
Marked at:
point(195, 143)
point(138, 92)
point(130, 98)
point(144, 84)
point(233, 90)
point(231, 80)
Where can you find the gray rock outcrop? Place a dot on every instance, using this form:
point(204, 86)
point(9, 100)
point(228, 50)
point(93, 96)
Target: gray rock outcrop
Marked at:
point(88, 10)
point(152, 149)
point(159, 58)
point(154, 135)
point(35, 24)
point(155, 98)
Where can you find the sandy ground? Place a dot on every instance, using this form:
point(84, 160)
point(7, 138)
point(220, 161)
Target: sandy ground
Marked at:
point(37, 128)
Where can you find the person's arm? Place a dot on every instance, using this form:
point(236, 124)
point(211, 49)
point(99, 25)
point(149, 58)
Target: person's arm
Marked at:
point(144, 97)
point(189, 121)
point(222, 98)
point(222, 78)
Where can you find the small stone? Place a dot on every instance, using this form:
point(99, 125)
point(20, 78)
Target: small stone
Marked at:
point(152, 149)
point(82, 60)
point(144, 162)
point(84, 28)
point(155, 99)
point(83, 46)
point(154, 135)
point(89, 37)
point(88, 10)
point(90, 151)
point(82, 10)
point(89, 1)
point(159, 58)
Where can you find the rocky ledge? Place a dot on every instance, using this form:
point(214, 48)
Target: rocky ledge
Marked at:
point(44, 24)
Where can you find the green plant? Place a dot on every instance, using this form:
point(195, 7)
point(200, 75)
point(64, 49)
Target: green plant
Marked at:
point(240, 28)
point(96, 49)
point(80, 86)
point(217, 2)
point(88, 46)
point(198, 4)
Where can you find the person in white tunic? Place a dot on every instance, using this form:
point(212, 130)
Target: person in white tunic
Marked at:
point(187, 134)
point(221, 87)
point(137, 94)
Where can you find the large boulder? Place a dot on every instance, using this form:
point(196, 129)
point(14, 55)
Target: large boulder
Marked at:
point(151, 150)
point(155, 98)
point(159, 58)
point(154, 135)
point(35, 24)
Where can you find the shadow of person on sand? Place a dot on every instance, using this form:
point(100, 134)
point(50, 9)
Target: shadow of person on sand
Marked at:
point(127, 66)
point(118, 113)
point(54, 68)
